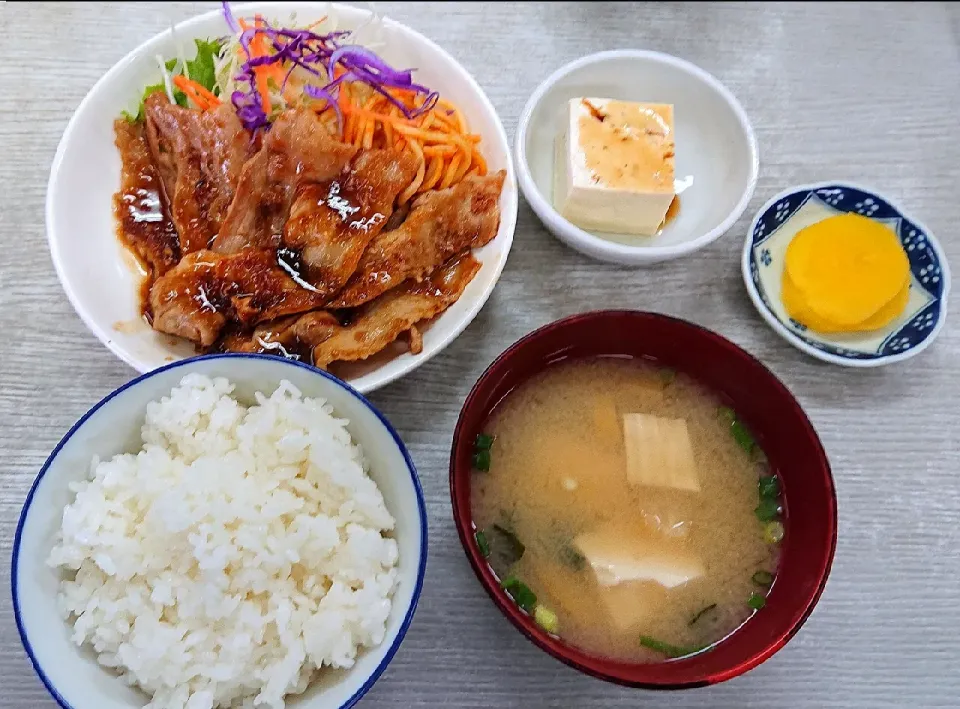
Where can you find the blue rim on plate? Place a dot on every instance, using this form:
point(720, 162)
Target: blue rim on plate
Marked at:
point(421, 508)
point(930, 273)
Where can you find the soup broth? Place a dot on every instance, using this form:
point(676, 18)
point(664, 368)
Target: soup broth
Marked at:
point(638, 535)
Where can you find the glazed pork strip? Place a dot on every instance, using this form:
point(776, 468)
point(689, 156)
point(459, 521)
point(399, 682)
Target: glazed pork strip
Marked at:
point(440, 224)
point(197, 298)
point(372, 329)
point(297, 149)
point(292, 337)
point(385, 319)
point(200, 155)
point(332, 223)
point(145, 226)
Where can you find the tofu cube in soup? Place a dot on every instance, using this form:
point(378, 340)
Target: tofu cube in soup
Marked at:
point(659, 452)
point(622, 555)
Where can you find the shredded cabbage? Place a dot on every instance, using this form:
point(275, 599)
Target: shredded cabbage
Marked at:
point(306, 56)
point(277, 66)
point(167, 83)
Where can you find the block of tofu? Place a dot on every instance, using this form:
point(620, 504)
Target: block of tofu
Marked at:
point(630, 604)
point(614, 170)
point(627, 605)
point(659, 452)
point(622, 556)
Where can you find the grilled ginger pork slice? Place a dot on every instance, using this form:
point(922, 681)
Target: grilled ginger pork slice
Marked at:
point(440, 224)
point(331, 223)
point(298, 149)
point(382, 321)
point(200, 155)
point(138, 205)
point(319, 337)
point(292, 337)
point(197, 297)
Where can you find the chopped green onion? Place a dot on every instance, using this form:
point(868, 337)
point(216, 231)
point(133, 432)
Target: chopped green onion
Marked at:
point(702, 612)
point(666, 648)
point(484, 442)
point(769, 486)
point(762, 578)
point(482, 543)
point(773, 532)
point(572, 558)
point(741, 434)
point(743, 437)
point(756, 601)
point(481, 461)
point(520, 593)
point(546, 619)
point(767, 510)
point(667, 376)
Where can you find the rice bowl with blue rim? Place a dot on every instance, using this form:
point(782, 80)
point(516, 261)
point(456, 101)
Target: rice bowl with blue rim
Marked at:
point(113, 426)
point(778, 221)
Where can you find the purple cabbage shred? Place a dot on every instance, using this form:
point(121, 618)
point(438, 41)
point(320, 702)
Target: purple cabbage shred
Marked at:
point(312, 52)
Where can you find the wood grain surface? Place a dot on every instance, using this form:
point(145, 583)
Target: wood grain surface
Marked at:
point(866, 92)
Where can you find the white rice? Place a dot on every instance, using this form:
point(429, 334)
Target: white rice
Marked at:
point(237, 552)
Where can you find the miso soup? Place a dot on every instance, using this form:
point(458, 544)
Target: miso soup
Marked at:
point(626, 508)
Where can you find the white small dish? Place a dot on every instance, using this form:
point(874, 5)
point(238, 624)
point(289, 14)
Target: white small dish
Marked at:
point(112, 426)
point(762, 263)
point(101, 278)
point(716, 151)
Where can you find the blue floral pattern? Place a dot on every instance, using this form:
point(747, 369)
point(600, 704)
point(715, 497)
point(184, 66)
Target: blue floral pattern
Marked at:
point(924, 261)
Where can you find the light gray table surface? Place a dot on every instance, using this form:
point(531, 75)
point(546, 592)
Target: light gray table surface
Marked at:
point(866, 93)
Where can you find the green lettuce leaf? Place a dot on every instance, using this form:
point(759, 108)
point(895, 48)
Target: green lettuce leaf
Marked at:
point(201, 69)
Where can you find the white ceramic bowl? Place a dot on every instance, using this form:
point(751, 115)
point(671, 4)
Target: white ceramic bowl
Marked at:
point(716, 152)
point(72, 676)
point(101, 278)
point(762, 264)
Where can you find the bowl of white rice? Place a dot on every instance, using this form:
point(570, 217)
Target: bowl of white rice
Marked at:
point(225, 531)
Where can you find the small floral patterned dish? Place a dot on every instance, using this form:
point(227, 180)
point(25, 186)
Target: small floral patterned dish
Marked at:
point(782, 217)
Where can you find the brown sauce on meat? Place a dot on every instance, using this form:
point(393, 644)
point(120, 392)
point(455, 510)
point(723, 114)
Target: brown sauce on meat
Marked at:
point(296, 350)
point(266, 295)
point(143, 219)
point(291, 261)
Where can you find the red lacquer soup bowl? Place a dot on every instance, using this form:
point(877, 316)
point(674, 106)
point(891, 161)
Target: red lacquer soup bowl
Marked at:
point(761, 401)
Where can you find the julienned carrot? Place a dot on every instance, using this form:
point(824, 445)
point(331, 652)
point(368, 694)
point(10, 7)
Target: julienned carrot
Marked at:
point(258, 48)
point(451, 171)
point(181, 82)
point(437, 138)
point(433, 173)
point(479, 161)
point(199, 94)
point(414, 186)
point(353, 109)
point(263, 89)
point(388, 133)
point(448, 149)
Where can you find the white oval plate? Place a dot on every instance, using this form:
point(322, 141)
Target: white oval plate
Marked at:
point(102, 279)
